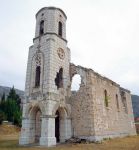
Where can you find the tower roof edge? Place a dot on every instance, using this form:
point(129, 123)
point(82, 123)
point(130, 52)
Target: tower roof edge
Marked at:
point(51, 7)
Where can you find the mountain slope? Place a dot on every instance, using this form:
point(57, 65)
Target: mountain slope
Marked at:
point(135, 103)
point(6, 90)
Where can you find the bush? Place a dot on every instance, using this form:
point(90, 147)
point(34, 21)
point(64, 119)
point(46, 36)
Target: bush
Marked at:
point(2, 116)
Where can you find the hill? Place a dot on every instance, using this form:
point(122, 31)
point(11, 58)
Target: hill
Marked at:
point(6, 90)
point(135, 103)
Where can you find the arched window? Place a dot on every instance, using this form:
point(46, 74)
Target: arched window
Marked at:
point(117, 102)
point(124, 102)
point(37, 77)
point(59, 78)
point(76, 82)
point(60, 28)
point(42, 27)
point(106, 98)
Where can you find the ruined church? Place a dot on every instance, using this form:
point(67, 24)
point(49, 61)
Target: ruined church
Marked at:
point(52, 113)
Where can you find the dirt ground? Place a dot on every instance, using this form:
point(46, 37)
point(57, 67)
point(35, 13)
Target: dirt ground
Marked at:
point(9, 136)
point(8, 129)
point(10, 142)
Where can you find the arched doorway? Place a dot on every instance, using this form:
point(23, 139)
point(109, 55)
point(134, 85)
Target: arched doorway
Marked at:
point(62, 125)
point(35, 124)
point(57, 127)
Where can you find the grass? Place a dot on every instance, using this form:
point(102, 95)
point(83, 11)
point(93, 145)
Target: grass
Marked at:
point(10, 142)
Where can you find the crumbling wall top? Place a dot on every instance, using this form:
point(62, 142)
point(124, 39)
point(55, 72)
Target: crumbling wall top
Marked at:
point(74, 70)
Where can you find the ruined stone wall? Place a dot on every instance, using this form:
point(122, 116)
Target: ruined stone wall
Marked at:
point(82, 119)
point(91, 117)
point(82, 104)
point(99, 109)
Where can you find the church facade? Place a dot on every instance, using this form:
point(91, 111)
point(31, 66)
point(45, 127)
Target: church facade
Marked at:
point(52, 113)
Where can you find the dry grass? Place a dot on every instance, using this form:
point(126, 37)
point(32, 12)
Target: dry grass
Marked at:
point(10, 142)
point(8, 129)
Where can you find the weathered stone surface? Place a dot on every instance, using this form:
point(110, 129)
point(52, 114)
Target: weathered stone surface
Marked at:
point(91, 118)
point(51, 112)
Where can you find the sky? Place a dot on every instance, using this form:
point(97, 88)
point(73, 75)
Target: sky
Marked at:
point(102, 35)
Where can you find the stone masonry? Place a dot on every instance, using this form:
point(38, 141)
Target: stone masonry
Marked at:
point(52, 113)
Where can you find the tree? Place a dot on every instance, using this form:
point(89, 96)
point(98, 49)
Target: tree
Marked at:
point(2, 116)
point(12, 95)
point(2, 107)
point(10, 108)
point(17, 118)
point(3, 97)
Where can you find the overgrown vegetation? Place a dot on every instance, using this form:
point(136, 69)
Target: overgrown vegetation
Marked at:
point(10, 109)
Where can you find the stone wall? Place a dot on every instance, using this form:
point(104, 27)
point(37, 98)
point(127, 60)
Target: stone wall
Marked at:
point(91, 117)
point(99, 109)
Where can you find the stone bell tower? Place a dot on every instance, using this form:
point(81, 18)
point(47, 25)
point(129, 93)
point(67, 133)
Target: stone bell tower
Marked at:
point(46, 116)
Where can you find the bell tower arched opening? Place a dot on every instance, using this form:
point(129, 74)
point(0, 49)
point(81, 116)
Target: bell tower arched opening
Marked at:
point(42, 27)
point(60, 28)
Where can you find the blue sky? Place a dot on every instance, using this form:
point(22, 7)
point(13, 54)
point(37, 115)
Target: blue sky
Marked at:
point(102, 35)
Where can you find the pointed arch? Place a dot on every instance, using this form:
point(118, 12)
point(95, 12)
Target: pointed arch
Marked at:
point(65, 108)
point(37, 70)
point(40, 106)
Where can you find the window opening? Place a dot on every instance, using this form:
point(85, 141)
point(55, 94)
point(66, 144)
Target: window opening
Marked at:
point(123, 97)
point(60, 28)
point(57, 126)
point(59, 79)
point(76, 82)
point(37, 78)
point(106, 98)
point(117, 102)
point(42, 27)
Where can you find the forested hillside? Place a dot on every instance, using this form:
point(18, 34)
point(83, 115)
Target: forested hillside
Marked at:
point(6, 90)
